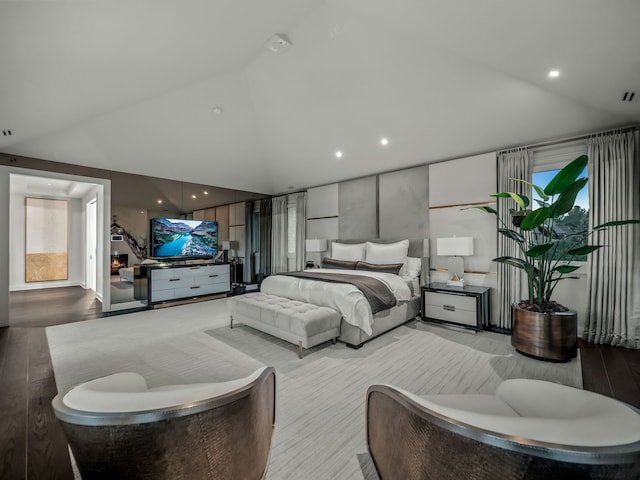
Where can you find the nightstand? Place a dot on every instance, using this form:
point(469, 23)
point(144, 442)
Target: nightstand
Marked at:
point(467, 306)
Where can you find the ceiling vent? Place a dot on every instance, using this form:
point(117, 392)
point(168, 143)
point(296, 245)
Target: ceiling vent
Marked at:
point(6, 133)
point(630, 97)
point(278, 44)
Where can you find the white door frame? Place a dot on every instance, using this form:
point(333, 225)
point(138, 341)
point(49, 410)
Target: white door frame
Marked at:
point(92, 251)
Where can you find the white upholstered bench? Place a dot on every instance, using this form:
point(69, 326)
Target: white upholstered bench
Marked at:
point(302, 324)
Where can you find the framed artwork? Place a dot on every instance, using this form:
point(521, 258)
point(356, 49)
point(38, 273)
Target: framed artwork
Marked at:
point(47, 239)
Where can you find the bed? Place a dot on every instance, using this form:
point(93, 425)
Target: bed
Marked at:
point(376, 259)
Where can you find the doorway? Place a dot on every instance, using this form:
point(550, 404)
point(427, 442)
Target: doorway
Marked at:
point(87, 213)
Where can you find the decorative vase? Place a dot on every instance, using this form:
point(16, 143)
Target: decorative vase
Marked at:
point(551, 337)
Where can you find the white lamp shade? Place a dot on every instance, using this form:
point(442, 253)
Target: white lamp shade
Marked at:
point(316, 245)
point(454, 246)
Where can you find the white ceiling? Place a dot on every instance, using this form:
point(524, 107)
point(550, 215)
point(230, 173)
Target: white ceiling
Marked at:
point(53, 187)
point(130, 86)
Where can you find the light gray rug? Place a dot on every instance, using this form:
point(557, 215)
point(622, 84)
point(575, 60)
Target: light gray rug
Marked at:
point(320, 409)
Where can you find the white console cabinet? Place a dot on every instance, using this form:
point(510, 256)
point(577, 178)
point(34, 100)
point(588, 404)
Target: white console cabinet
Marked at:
point(185, 281)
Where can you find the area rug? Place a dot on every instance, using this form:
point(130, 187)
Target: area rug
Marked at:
point(320, 407)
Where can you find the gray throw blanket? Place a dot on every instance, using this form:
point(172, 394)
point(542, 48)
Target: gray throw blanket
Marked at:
point(379, 296)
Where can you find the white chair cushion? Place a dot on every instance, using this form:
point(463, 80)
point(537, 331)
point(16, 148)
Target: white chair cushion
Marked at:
point(590, 420)
point(128, 392)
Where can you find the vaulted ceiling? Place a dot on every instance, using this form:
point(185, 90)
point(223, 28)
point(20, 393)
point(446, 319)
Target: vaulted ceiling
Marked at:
point(186, 90)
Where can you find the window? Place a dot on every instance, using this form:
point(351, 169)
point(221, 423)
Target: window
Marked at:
point(573, 227)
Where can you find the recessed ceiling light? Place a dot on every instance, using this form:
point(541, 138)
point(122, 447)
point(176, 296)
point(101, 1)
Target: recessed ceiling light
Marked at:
point(193, 196)
point(205, 192)
point(384, 141)
point(554, 73)
point(159, 201)
point(338, 154)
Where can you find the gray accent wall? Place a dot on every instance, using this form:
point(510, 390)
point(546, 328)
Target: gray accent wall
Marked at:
point(322, 212)
point(358, 208)
point(390, 205)
point(404, 203)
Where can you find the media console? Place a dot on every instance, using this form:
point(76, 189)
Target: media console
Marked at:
point(183, 280)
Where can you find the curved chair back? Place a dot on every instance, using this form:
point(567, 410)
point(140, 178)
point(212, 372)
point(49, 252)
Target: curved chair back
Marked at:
point(223, 437)
point(409, 441)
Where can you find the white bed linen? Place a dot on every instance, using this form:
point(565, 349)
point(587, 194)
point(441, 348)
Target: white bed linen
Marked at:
point(343, 297)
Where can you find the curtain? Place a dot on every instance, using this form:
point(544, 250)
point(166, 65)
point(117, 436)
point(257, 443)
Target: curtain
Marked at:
point(512, 164)
point(248, 271)
point(613, 315)
point(279, 234)
point(264, 266)
point(301, 229)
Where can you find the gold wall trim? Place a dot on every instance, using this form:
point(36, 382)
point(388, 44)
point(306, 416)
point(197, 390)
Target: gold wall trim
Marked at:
point(444, 270)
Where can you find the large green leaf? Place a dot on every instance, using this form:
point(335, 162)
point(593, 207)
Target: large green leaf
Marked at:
point(539, 250)
point(567, 199)
point(566, 176)
point(512, 235)
point(538, 189)
point(584, 250)
point(521, 200)
point(566, 268)
point(535, 219)
point(514, 262)
point(616, 223)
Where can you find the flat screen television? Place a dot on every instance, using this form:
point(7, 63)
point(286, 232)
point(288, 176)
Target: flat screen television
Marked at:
point(181, 239)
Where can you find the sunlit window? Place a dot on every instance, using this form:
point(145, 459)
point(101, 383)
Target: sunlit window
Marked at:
point(572, 227)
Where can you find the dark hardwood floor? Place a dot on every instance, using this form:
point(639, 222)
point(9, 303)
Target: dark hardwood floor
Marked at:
point(32, 443)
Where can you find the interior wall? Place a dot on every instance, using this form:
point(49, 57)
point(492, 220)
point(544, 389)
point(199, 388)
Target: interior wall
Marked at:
point(322, 212)
point(454, 186)
point(231, 225)
point(104, 215)
point(237, 229)
point(392, 205)
point(5, 236)
point(358, 208)
point(403, 203)
point(76, 245)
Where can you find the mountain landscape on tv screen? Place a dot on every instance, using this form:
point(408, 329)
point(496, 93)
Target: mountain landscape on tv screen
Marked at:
point(179, 239)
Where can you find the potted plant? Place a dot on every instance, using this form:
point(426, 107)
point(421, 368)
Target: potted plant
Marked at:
point(541, 327)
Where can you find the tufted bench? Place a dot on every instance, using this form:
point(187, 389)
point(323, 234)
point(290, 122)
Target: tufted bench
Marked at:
point(300, 323)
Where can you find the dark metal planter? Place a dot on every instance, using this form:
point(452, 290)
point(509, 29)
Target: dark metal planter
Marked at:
point(545, 336)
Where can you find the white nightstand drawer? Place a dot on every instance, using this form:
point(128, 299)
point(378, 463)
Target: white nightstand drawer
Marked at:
point(451, 308)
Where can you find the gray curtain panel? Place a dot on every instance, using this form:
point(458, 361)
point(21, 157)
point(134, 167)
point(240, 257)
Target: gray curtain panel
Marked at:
point(279, 233)
point(248, 271)
point(512, 164)
point(301, 229)
point(264, 265)
point(613, 316)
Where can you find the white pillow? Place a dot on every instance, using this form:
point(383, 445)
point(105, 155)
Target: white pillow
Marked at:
point(412, 267)
point(348, 251)
point(386, 252)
